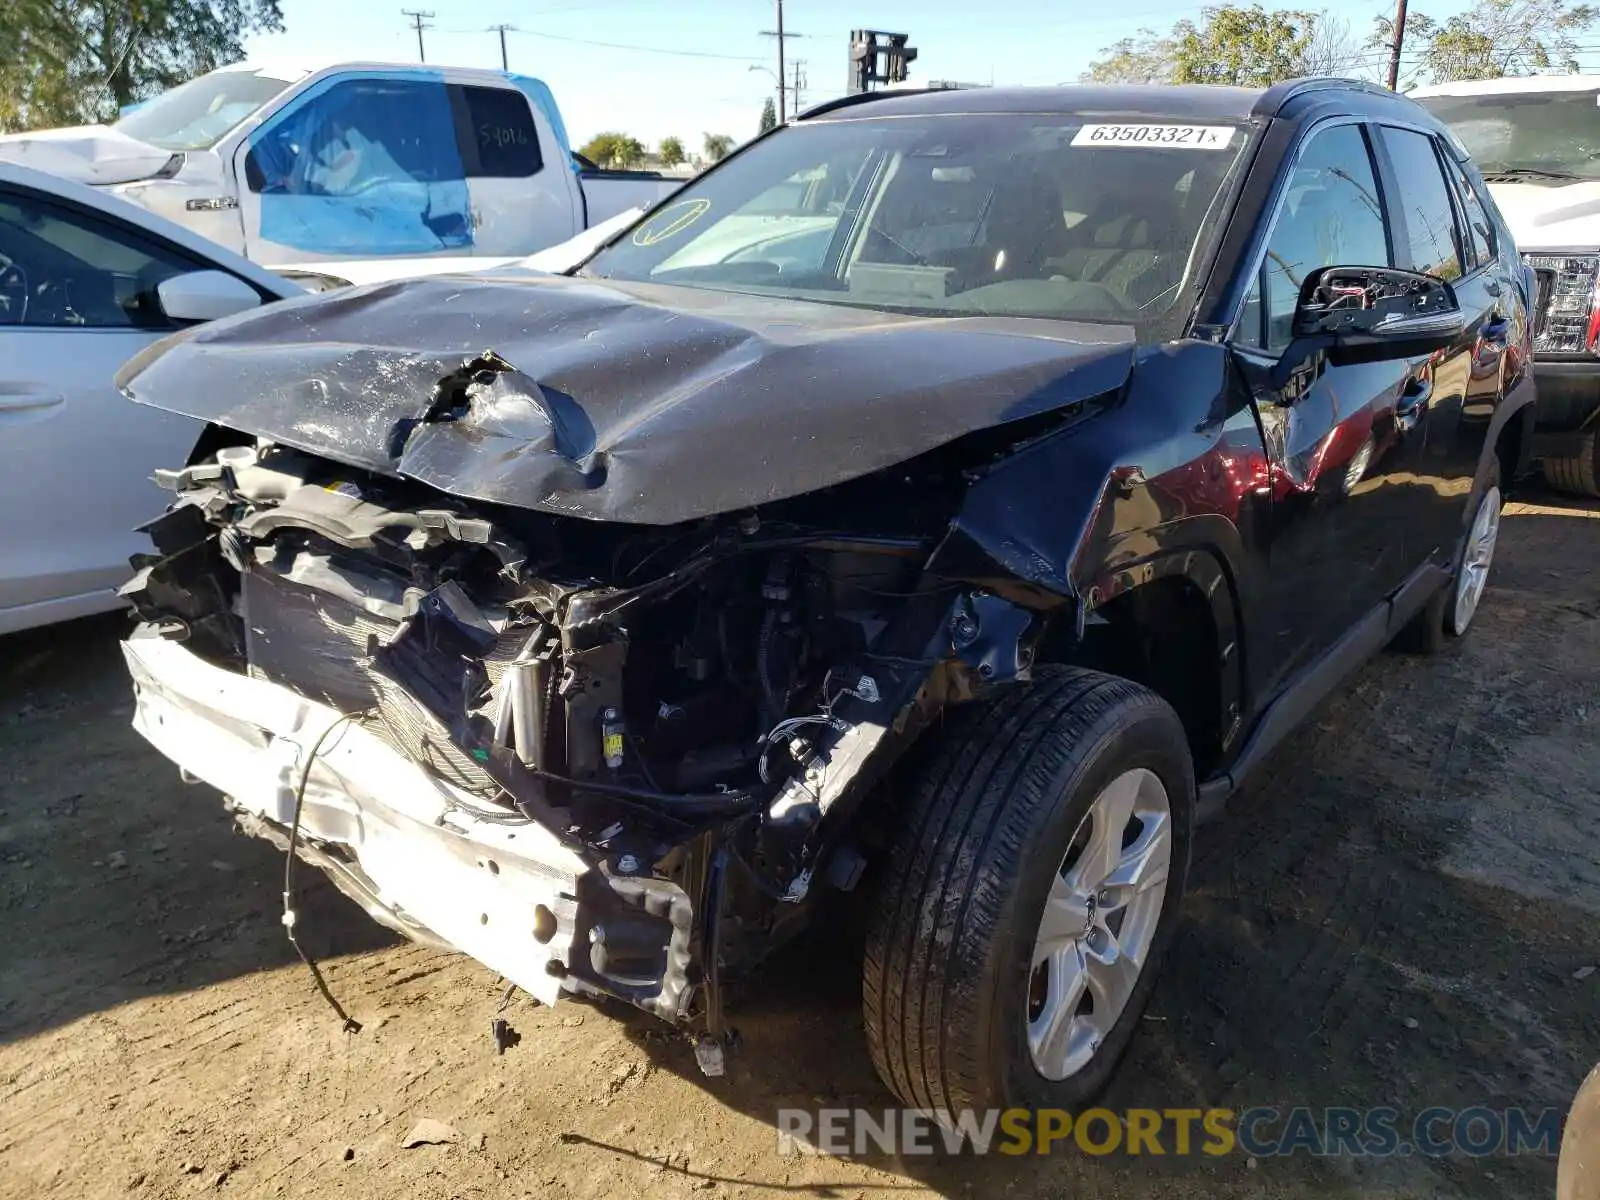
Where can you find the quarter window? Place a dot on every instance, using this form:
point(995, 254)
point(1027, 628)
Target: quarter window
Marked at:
point(63, 268)
point(1331, 216)
point(1424, 201)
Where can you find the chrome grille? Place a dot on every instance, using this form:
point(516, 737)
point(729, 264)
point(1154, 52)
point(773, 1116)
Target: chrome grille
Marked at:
point(1564, 301)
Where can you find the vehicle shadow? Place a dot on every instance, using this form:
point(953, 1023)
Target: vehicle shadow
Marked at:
point(116, 879)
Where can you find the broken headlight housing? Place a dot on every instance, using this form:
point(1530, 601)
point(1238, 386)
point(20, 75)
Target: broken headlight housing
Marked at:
point(1566, 308)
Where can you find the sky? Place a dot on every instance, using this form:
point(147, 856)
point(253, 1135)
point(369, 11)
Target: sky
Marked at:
point(691, 67)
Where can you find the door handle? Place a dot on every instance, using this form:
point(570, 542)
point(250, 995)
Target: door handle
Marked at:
point(1413, 403)
point(27, 401)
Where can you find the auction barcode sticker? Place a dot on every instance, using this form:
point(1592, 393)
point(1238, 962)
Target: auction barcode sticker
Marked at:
point(1178, 137)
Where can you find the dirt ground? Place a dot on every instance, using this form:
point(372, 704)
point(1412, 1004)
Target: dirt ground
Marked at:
point(1399, 911)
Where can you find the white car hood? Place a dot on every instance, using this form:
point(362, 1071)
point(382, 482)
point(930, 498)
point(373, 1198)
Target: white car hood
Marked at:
point(1551, 218)
point(557, 259)
point(94, 154)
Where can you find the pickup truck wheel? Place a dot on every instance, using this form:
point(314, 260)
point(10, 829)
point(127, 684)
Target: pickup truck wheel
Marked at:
point(1030, 895)
point(1449, 612)
point(1578, 473)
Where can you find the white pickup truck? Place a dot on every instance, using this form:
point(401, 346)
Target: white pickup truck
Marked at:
point(293, 165)
point(1537, 142)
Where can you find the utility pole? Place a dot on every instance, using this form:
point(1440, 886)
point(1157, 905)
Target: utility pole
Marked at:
point(501, 30)
point(799, 82)
point(417, 19)
point(783, 88)
point(1394, 47)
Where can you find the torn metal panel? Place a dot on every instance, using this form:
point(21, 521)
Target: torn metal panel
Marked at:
point(606, 401)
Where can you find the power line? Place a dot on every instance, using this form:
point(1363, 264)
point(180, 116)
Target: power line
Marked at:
point(559, 37)
point(418, 18)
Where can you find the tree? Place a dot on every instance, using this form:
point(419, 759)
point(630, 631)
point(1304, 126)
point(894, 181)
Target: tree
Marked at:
point(1494, 38)
point(1247, 47)
point(1143, 58)
point(769, 117)
point(617, 151)
point(671, 152)
point(1334, 50)
point(70, 61)
point(1233, 44)
point(717, 146)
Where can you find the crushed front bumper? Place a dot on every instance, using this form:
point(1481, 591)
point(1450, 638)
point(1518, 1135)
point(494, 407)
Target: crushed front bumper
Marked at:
point(404, 841)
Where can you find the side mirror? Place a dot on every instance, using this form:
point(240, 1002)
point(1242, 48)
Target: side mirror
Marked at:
point(1369, 314)
point(205, 296)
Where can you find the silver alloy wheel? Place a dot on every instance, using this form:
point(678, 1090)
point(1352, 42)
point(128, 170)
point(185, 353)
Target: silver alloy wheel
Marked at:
point(1475, 563)
point(1099, 922)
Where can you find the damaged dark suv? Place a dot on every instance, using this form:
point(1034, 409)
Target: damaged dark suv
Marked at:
point(945, 501)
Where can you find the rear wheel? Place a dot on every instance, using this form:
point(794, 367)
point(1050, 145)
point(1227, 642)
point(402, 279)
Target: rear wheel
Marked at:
point(1578, 472)
point(1030, 896)
point(1449, 612)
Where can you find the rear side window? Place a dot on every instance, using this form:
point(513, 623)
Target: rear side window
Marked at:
point(1331, 216)
point(1480, 245)
point(495, 128)
point(1423, 204)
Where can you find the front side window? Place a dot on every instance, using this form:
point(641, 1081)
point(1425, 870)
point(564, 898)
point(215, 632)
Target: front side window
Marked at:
point(1424, 199)
point(1331, 215)
point(196, 115)
point(1014, 215)
point(373, 166)
point(62, 268)
point(358, 136)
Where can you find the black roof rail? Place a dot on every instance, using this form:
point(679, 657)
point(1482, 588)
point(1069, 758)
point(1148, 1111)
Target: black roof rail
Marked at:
point(828, 106)
point(1275, 97)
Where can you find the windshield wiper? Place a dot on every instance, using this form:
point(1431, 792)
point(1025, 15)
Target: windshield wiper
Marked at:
point(1514, 173)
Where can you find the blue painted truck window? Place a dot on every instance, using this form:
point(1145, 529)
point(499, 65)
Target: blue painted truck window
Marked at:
point(365, 165)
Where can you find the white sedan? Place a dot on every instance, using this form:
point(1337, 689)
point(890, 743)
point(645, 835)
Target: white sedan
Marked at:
point(87, 280)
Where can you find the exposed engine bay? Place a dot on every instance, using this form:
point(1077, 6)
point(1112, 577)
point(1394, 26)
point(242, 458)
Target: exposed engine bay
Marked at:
point(694, 713)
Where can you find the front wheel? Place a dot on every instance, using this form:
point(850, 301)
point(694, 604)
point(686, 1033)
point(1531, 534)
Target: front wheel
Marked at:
point(1030, 896)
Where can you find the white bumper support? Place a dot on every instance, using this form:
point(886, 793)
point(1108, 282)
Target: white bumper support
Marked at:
point(506, 895)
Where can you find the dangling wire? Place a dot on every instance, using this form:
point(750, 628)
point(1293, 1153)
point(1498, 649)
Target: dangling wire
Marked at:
point(351, 1025)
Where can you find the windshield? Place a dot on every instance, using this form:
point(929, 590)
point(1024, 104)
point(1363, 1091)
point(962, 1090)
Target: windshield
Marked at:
point(1014, 215)
point(1549, 134)
point(195, 115)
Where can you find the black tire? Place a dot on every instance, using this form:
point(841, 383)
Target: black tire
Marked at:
point(985, 829)
point(1577, 473)
point(1429, 632)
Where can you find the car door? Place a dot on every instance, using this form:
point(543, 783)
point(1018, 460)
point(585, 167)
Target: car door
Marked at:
point(77, 299)
point(1463, 380)
point(521, 200)
point(1338, 447)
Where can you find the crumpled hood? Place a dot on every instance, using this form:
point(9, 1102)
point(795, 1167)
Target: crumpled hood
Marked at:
point(635, 403)
point(1561, 217)
point(94, 154)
